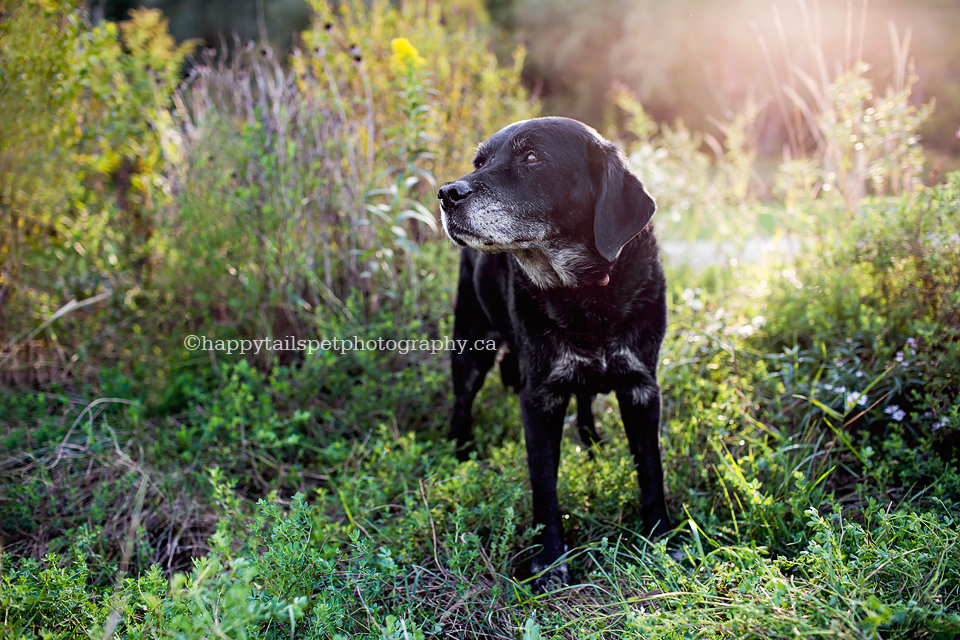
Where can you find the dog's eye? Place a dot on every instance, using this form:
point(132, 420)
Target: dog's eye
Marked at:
point(531, 158)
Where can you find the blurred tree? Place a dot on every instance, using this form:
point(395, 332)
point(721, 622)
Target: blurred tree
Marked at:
point(689, 59)
point(696, 59)
point(213, 19)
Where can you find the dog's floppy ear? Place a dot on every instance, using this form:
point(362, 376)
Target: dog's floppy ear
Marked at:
point(623, 207)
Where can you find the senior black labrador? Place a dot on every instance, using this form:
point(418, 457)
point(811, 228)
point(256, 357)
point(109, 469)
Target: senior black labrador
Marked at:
point(560, 267)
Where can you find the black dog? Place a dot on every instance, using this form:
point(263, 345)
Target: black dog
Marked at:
point(560, 267)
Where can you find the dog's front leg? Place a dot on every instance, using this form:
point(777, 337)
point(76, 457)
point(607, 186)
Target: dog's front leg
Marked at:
point(640, 409)
point(543, 429)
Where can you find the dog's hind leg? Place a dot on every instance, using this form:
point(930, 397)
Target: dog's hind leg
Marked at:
point(585, 423)
point(510, 370)
point(469, 370)
point(472, 329)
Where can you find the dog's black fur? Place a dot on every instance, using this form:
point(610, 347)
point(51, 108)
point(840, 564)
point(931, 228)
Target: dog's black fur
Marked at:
point(559, 266)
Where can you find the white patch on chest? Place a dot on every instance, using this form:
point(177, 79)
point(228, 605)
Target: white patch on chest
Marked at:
point(566, 262)
point(568, 361)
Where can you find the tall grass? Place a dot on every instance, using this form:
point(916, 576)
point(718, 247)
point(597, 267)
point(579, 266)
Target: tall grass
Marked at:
point(260, 196)
point(862, 141)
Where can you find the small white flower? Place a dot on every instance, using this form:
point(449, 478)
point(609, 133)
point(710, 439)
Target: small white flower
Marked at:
point(899, 356)
point(758, 321)
point(895, 412)
point(828, 387)
point(695, 304)
point(744, 330)
point(854, 398)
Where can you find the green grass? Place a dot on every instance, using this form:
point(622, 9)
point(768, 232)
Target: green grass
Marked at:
point(322, 500)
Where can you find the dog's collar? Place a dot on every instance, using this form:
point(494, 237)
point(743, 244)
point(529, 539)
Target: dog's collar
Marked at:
point(605, 281)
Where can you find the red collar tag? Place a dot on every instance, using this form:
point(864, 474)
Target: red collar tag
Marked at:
point(605, 281)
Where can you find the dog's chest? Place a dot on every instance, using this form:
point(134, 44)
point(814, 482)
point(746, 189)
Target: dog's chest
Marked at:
point(599, 369)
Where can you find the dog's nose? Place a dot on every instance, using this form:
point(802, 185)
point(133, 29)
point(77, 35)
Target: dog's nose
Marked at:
point(453, 192)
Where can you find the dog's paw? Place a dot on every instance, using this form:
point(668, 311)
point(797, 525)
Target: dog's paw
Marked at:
point(548, 576)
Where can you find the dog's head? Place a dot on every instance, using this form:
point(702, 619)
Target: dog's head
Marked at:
point(555, 194)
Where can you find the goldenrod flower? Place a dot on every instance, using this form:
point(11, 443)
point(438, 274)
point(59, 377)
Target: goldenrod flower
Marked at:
point(405, 57)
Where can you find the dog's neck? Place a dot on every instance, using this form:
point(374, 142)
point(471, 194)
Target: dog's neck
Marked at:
point(536, 265)
point(568, 267)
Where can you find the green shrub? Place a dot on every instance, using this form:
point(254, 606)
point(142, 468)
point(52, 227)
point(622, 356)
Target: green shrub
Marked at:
point(81, 173)
point(305, 187)
point(255, 199)
point(885, 293)
point(699, 195)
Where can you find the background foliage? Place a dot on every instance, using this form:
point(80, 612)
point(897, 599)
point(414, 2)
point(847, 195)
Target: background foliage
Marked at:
point(695, 60)
point(690, 59)
point(810, 400)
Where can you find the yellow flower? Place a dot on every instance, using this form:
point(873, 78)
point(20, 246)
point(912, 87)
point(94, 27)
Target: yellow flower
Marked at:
point(405, 56)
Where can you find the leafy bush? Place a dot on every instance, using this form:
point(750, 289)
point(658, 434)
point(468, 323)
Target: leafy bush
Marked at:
point(81, 172)
point(255, 199)
point(303, 187)
point(885, 291)
point(699, 196)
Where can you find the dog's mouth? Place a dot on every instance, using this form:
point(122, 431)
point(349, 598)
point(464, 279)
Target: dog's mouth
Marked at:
point(463, 236)
point(486, 245)
point(454, 231)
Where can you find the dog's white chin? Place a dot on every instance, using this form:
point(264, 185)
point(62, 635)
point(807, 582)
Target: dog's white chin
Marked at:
point(487, 247)
point(484, 245)
point(446, 229)
point(469, 237)
point(458, 238)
